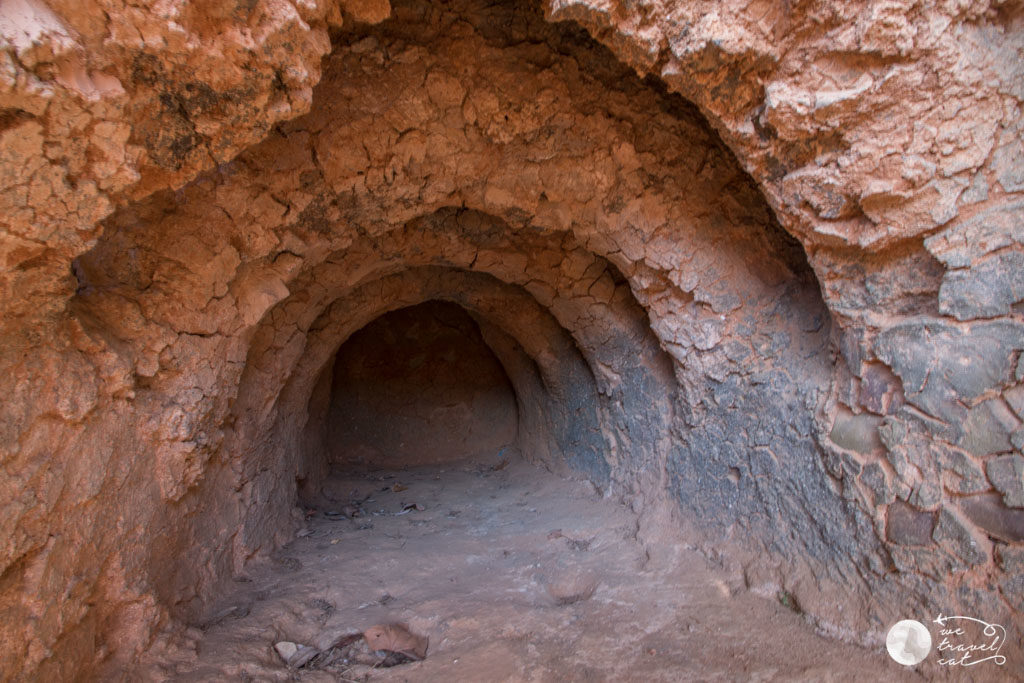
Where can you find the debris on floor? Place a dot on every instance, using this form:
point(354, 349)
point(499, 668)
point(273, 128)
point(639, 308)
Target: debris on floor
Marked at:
point(513, 575)
point(380, 646)
point(396, 639)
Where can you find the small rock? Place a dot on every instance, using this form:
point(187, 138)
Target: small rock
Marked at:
point(1007, 474)
point(286, 649)
point(571, 587)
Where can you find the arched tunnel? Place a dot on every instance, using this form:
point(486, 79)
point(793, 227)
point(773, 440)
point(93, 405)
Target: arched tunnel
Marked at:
point(489, 250)
point(513, 185)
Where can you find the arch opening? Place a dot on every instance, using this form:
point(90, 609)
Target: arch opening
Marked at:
point(661, 337)
point(418, 386)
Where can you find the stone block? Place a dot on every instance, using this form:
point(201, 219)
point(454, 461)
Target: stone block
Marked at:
point(1014, 397)
point(907, 526)
point(1008, 159)
point(987, 428)
point(968, 476)
point(874, 480)
point(892, 433)
point(851, 346)
point(963, 243)
point(986, 290)
point(989, 513)
point(943, 366)
point(857, 433)
point(1010, 558)
point(926, 495)
point(977, 192)
point(952, 533)
point(880, 390)
point(1007, 474)
point(1011, 561)
point(1013, 591)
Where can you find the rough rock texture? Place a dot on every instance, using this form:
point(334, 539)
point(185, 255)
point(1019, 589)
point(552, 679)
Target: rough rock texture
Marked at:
point(181, 258)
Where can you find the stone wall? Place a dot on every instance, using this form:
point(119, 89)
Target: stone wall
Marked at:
point(788, 304)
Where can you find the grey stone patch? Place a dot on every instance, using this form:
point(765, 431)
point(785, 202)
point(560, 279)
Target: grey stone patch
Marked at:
point(880, 390)
point(944, 208)
point(926, 495)
point(911, 452)
point(874, 479)
point(788, 477)
point(877, 564)
point(1013, 591)
point(989, 513)
point(715, 366)
point(903, 560)
point(857, 433)
point(987, 428)
point(736, 351)
point(968, 474)
point(931, 562)
point(1014, 397)
point(951, 532)
point(960, 245)
point(892, 432)
point(775, 343)
point(833, 462)
point(1008, 159)
point(579, 438)
point(1007, 474)
point(727, 392)
point(851, 347)
point(704, 333)
point(1011, 559)
point(1020, 368)
point(986, 290)
point(1017, 439)
point(851, 470)
point(907, 526)
point(943, 367)
point(977, 192)
point(722, 299)
point(898, 460)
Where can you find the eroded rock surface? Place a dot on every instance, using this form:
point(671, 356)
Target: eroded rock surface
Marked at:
point(789, 304)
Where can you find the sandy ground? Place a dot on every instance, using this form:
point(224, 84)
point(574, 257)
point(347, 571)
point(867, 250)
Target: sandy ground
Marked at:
point(513, 575)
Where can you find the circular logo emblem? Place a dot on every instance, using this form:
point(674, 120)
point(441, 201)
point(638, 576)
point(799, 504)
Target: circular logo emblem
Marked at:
point(908, 642)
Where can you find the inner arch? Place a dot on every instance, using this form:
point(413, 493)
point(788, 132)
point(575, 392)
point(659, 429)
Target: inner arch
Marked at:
point(418, 386)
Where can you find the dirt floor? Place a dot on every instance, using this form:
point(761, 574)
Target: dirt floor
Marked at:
point(513, 575)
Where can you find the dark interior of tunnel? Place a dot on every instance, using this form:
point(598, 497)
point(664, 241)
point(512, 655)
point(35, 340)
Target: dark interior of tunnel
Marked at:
point(419, 386)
